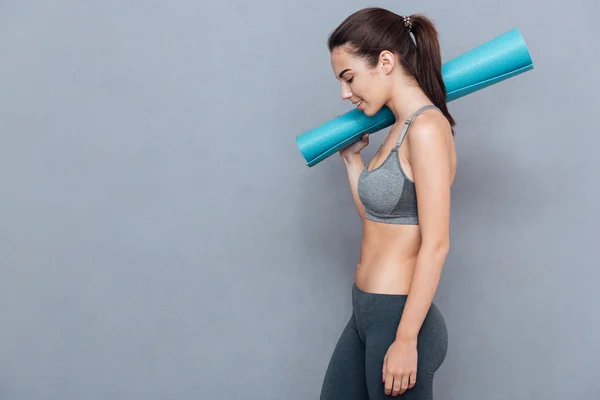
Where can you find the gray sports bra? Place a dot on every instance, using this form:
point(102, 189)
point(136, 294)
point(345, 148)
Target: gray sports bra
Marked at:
point(386, 192)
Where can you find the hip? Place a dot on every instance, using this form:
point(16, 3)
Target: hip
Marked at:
point(377, 317)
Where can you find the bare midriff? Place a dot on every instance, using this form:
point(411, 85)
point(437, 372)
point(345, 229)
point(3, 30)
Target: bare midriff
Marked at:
point(388, 257)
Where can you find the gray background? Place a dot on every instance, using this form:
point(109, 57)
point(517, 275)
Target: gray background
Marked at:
point(162, 238)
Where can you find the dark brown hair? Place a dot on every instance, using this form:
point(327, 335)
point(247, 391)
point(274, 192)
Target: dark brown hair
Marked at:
point(372, 30)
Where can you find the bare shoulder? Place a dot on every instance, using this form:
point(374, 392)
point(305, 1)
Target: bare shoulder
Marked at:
point(431, 144)
point(430, 125)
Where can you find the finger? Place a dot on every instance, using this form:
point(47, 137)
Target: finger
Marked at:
point(383, 371)
point(389, 382)
point(397, 385)
point(404, 384)
point(413, 380)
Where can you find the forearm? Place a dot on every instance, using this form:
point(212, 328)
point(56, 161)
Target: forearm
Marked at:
point(426, 277)
point(354, 166)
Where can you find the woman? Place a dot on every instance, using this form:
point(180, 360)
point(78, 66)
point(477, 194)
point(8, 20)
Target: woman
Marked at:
point(396, 337)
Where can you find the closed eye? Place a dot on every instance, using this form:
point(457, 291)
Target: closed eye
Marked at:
point(350, 80)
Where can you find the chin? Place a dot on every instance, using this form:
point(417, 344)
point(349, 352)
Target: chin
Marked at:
point(369, 112)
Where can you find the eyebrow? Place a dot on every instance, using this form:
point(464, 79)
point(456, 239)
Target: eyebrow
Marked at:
point(343, 72)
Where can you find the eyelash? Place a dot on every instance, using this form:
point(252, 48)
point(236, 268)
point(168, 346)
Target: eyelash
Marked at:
point(349, 80)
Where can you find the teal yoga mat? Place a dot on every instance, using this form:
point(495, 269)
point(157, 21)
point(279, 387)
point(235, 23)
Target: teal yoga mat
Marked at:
point(501, 58)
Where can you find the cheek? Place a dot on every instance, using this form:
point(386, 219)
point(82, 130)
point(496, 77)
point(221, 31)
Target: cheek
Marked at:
point(377, 91)
point(370, 90)
point(375, 97)
point(364, 90)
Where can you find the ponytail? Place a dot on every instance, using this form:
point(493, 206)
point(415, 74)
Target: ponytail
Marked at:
point(428, 71)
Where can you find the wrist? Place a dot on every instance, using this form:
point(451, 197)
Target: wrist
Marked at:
point(406, 337)
point(352, 158)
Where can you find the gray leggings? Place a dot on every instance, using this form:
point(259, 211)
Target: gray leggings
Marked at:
point(355, 368)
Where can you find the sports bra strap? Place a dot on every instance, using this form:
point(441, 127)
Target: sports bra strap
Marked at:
point(409, 120)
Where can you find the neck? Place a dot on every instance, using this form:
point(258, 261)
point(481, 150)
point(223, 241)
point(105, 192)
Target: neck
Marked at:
point(406, 100)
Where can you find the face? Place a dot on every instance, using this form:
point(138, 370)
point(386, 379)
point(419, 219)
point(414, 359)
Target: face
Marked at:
point(363, 86)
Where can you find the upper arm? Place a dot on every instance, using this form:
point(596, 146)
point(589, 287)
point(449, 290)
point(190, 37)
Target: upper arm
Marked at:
point(430, 161)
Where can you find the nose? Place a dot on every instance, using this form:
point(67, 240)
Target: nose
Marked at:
point(346, 93)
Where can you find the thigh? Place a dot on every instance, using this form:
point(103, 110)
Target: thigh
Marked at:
point(345, 375)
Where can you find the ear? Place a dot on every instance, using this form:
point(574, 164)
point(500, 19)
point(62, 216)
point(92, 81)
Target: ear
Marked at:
point(387, 61)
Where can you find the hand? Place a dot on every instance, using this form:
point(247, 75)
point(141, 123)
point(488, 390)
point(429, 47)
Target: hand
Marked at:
point(400, 367)
point(356, 147)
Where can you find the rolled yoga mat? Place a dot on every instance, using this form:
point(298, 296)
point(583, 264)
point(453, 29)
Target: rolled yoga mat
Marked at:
point(501, 58)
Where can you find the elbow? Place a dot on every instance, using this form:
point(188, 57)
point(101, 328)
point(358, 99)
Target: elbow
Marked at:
point(438, 247)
